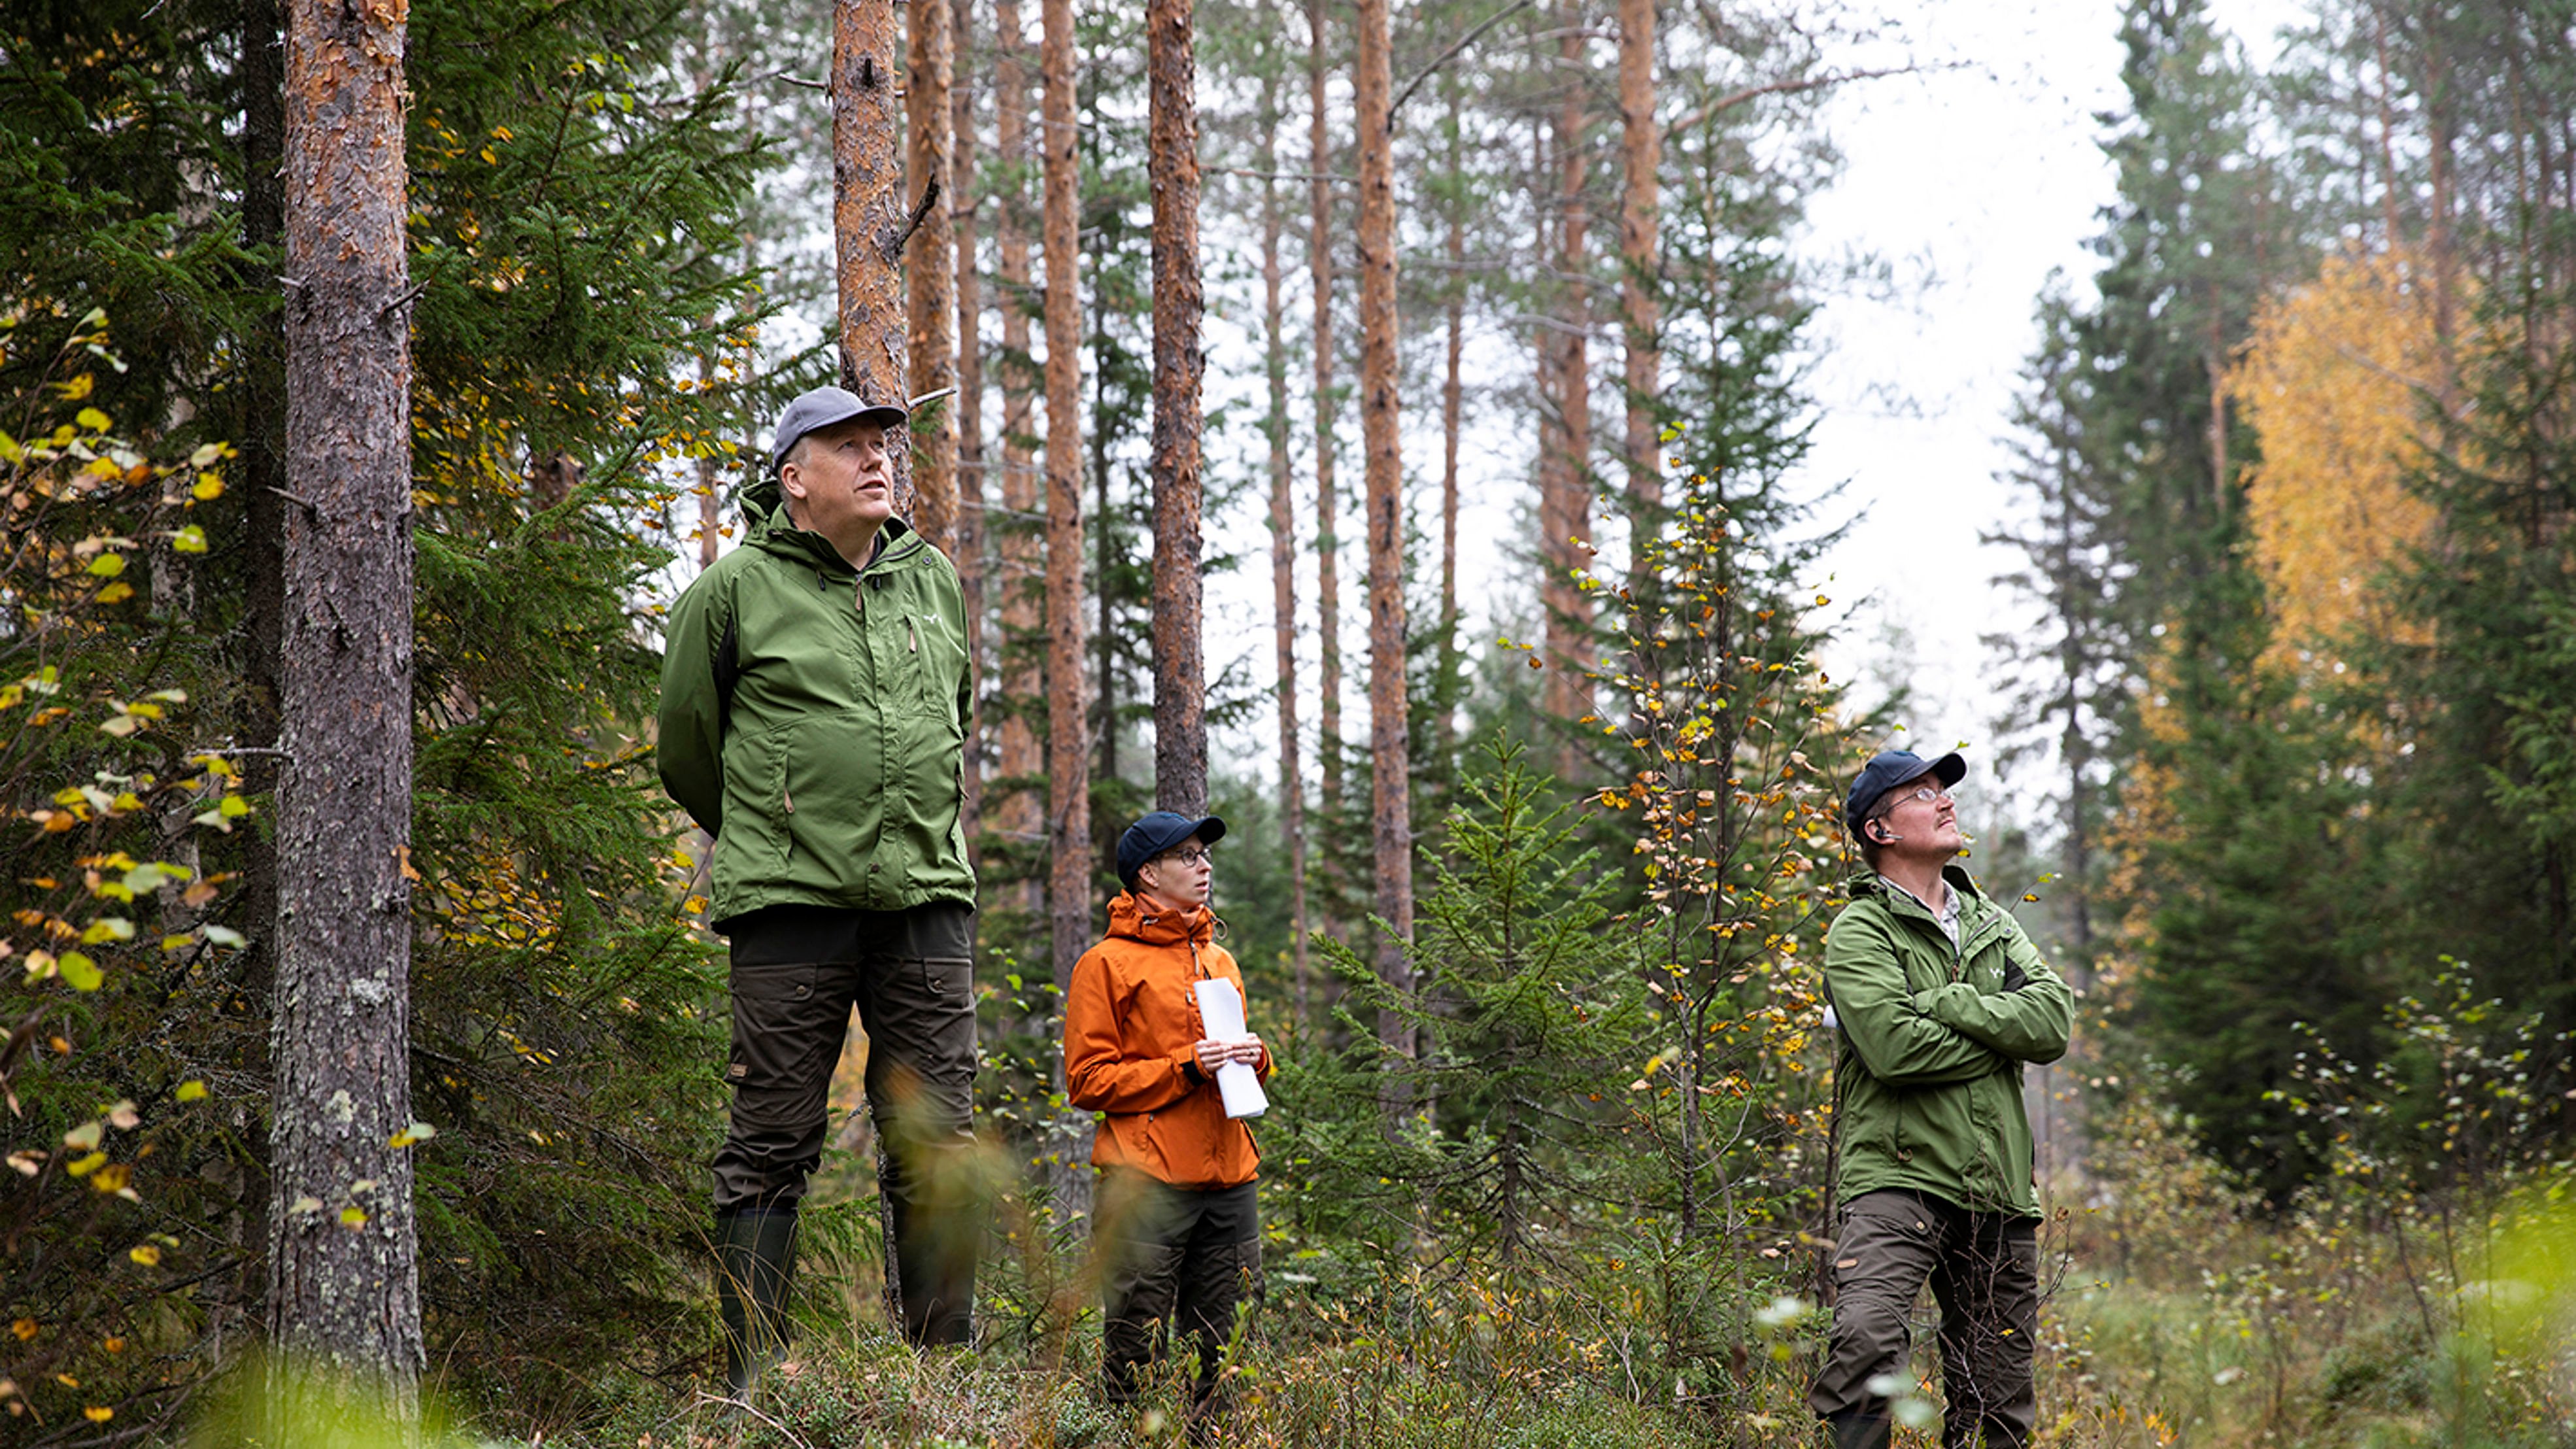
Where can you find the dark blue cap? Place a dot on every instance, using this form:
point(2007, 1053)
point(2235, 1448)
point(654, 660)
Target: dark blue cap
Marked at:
point(1890, 768)
point(1159, 832)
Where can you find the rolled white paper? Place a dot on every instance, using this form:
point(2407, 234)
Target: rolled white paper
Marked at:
point(1221, 1010)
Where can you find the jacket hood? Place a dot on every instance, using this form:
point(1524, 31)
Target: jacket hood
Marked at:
point(1129, 918)
point(768, 528)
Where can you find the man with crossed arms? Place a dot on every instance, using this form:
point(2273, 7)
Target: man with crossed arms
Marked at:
point(1940, 999)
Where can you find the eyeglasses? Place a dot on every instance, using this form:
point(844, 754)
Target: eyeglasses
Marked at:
point(1192, 857)
point(1928, 794)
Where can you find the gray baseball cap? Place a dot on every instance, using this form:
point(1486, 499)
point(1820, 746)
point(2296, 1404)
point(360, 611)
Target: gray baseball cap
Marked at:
point(821, 408)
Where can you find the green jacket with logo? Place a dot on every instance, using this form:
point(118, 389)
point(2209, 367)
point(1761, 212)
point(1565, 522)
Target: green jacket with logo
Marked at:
point(814, 718)
point(1933, 1038)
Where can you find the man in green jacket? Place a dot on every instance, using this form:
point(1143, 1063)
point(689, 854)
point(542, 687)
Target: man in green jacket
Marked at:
point(1939, 999)
point(815, 696)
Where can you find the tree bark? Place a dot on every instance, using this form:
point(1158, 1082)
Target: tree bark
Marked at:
point(1452, 406)
point(1642, 151)
point(868, 214)
point(964, 201)
point(1172, 168)
point(930, 262)
point(1016, 817)
point(1319, 259)
point(1069, 903)
point(260, 434)
point(1568, 434)
point(344, 1283)
point(1069, 893)
point(1283, 553)
point(1390, 806)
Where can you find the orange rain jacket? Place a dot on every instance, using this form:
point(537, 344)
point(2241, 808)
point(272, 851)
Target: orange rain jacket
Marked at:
point(1131, 1029)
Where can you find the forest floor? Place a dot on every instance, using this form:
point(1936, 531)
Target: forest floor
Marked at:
point(2176, 1318)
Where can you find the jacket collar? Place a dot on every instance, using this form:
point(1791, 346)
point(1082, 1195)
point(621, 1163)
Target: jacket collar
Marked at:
point(764, 509)
point(1129, 917)
point(1974, 907)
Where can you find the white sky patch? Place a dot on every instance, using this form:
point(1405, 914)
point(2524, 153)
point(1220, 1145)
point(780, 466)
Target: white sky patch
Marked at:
point(1976, 182)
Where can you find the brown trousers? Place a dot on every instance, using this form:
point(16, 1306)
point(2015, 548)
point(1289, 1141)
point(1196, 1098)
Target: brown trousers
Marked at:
point(1984, 1271)
point(797, 972)
point(1172, 1258)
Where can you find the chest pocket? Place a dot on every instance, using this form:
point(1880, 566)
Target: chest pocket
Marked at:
point(934, 661)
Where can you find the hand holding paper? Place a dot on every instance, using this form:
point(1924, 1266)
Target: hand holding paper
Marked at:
point(1221, 1009)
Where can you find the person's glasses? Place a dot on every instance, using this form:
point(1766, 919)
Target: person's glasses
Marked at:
point(1192, 857)
point(1928, 794)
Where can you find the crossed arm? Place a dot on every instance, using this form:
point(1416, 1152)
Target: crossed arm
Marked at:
point(1952, 1033)
point(2028, 1022)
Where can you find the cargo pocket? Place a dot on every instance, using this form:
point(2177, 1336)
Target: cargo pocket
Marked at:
point(774, 1029)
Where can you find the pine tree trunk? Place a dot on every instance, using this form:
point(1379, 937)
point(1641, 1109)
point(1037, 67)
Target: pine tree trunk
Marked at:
point(1068, 736)
point(1642, 144)
point(1016, 816)
point(1452, 406)
point(1069, 894)
point(343, 1263)
point(930, 263)
point(965, 200)
point(1283, 552)
point(260, 434)
point(1319, 257)
point(1390, 805)
point(1172, 168)
point(868, 213)
point(1567, 698)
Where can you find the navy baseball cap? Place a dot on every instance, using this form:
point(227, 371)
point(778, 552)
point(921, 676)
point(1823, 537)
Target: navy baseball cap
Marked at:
point(1159, 832)
point(1890, 768)
point(821, 408)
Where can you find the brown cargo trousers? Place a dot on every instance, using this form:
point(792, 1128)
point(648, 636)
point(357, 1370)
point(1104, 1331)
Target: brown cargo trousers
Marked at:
point(1172, 1258)
point(797, 972)
point(1984, 1271)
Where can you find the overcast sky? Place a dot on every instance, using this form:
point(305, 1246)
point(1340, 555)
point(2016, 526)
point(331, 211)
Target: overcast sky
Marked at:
point(1980, 181)
point(1972, 182)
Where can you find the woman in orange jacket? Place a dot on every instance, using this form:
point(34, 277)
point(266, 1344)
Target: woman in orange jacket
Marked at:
point(1177, 1226)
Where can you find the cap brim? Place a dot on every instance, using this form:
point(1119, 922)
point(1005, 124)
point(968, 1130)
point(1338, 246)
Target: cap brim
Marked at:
point(884, 415)
point(1950, 769)
point(1209, 830)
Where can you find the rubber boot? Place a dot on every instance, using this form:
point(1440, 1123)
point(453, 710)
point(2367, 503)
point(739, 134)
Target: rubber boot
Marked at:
point(755, 1252)
point(1860, 1429)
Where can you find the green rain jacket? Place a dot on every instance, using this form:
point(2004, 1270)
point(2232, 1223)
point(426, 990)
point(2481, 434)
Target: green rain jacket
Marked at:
point(814, 717)
point(1933, 1041)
